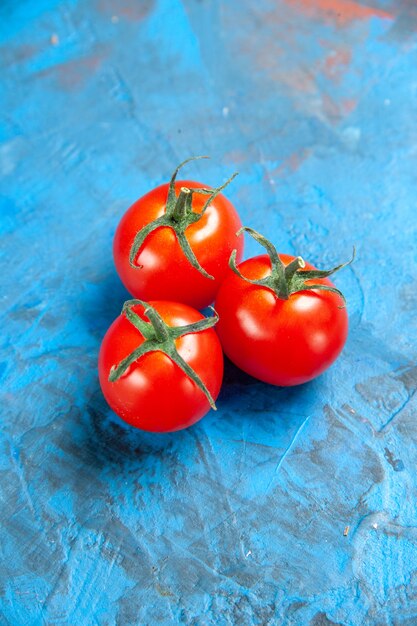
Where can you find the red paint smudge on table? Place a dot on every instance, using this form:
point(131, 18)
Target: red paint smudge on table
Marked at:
point(336, 63)
point(343, 12)
point(72, 74)
point(336, 111)
point(236, 156)
point(291, 163)
point(348, 105)
point(299, 79)
point(131, 10)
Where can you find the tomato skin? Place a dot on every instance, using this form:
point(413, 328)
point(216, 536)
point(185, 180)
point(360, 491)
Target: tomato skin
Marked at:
point(281, 342)
point(154, 394)
point(164, 272)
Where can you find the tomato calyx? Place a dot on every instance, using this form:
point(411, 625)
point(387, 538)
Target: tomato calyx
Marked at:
point(178, 216)
point(286, 280)
point(159, 337)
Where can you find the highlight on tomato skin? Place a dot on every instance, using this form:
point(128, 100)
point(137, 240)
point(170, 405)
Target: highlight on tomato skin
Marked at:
point(153, 392)
point(280, 319)
point(174, 243)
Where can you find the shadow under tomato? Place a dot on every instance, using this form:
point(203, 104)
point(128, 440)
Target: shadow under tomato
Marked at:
point(237, 383)
point(265, 413)
point(117, 443)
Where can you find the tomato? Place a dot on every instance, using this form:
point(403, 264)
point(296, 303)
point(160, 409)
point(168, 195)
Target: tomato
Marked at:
point(174, 243)
point(280, 329)
point(161, 365)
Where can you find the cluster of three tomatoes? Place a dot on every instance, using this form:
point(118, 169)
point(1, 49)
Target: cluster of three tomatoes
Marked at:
point(177, 250)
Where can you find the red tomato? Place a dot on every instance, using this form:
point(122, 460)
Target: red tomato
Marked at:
point(154, 393)
point(160, 270)
point(279, 341)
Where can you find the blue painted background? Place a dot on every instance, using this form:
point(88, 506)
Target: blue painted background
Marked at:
point(240, 519)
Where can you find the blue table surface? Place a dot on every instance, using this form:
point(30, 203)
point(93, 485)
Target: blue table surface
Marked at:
point(287, 506)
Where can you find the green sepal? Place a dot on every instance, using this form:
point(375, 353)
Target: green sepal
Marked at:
point(141, 236)
point(171, 199)
point(178, 216)
point(159, 337)
point(286, 280)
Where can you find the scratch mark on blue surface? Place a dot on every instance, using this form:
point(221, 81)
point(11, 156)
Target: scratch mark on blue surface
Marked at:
point(397, 412)
point(287, 451)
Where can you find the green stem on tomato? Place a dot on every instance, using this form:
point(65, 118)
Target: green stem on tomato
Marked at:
point(178, 216)
point(159, 337)
point(286, 280)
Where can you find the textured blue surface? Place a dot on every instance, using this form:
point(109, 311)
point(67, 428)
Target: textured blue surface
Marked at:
point(240, 519)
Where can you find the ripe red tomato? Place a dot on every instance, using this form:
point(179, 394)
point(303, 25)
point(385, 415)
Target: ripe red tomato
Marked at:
point(284, 340)
point(168, 246)
point(161, 365)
